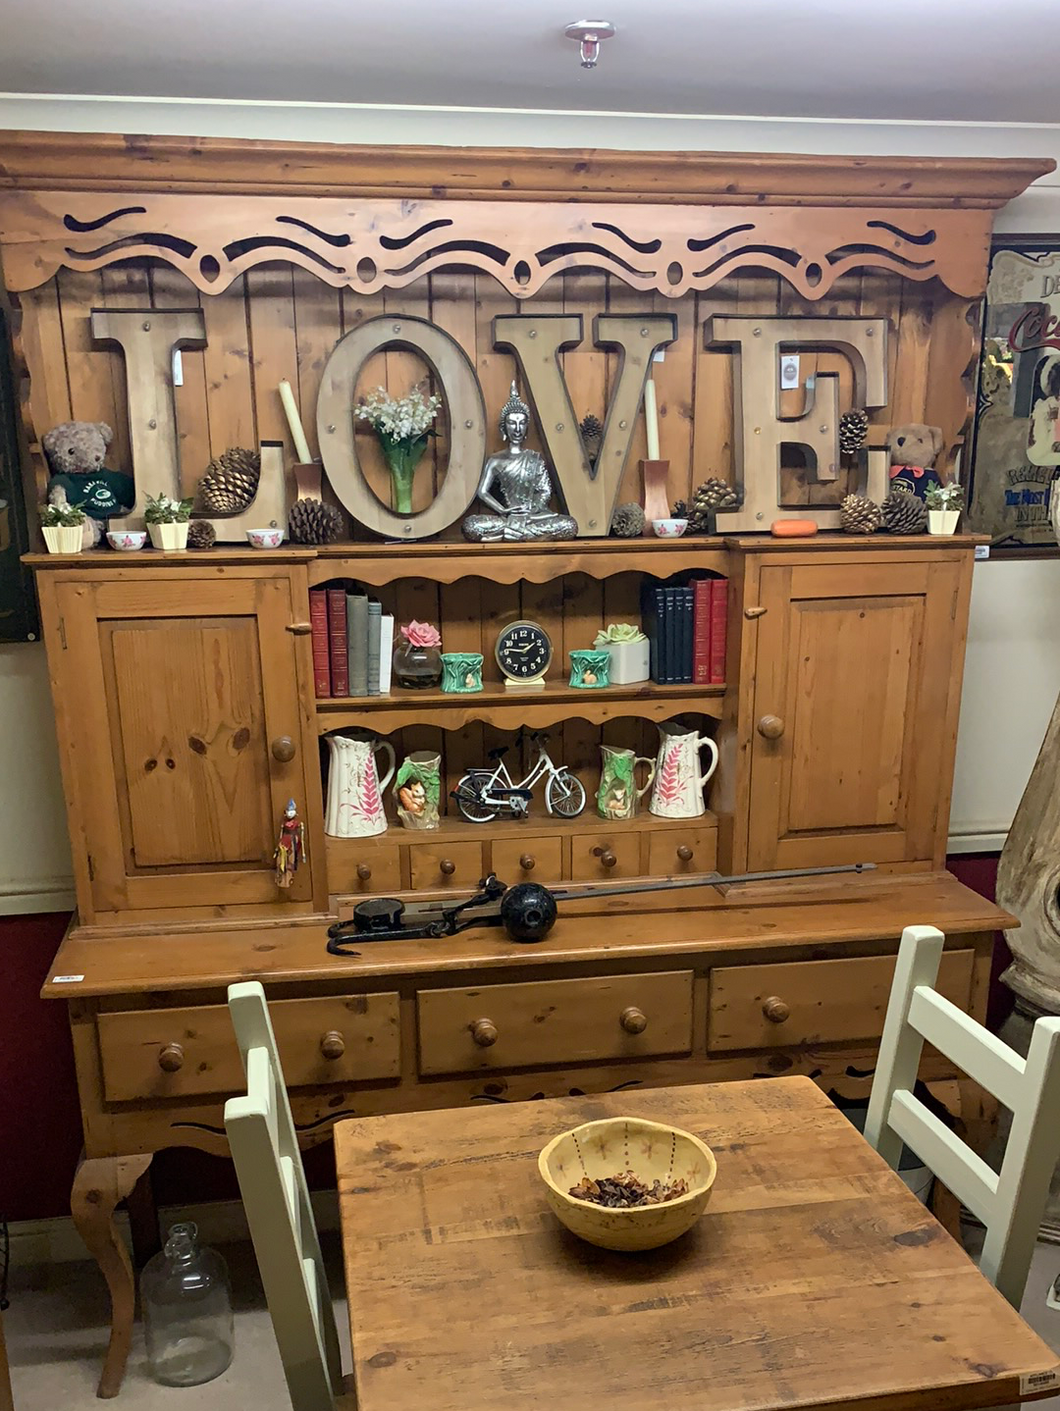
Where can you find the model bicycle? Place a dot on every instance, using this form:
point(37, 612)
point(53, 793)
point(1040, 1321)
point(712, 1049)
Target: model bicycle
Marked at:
point(484, 793)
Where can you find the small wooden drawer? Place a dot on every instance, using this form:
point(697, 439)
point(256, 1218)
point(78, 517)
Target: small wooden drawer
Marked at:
point(673, 851)
point(554, 1021)
point(184, 1052)
point(363, 865)
point(597, 857)
point(814, 1001)
point(527, 860)
point(435, 865)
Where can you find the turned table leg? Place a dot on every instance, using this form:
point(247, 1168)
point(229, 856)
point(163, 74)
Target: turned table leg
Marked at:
point(99, 1184)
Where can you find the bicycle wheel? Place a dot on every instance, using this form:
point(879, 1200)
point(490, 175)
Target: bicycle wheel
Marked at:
point(565, 795)
point(469, 800)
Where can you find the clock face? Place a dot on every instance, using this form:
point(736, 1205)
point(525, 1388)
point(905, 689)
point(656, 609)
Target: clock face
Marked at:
point(523, 651)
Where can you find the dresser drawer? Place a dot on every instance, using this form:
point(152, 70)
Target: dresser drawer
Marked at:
point(183, 1052)
point(363, 866)
point(554, 1021)
point(437, 865)
point(509, 858)
point(610, 853)
point(674, 852)
point(814, 1001)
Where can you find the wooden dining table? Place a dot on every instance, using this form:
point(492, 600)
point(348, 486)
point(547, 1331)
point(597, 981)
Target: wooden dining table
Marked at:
point(813, 1279)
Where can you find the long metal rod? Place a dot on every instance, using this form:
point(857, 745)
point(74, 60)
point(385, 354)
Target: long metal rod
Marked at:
point(702, 879)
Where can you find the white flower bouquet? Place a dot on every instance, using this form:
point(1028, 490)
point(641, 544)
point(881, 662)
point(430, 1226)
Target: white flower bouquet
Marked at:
point(403, 425)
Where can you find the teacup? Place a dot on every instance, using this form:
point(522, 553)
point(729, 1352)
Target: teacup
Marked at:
point(669, 528)
point(265, 538)
point(126, 539)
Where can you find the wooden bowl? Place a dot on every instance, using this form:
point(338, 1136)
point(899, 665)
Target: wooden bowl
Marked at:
point(652, 1152)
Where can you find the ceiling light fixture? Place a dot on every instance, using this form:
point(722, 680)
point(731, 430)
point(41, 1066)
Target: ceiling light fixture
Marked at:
point(588, 34)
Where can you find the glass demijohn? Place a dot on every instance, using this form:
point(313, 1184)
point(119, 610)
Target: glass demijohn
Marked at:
point(187, 1307)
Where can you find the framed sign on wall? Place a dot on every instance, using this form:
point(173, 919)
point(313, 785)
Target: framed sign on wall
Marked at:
point(1015, 457)
point(18, 600)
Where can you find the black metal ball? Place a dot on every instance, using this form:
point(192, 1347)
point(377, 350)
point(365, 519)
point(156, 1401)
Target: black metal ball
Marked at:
point(528, 911)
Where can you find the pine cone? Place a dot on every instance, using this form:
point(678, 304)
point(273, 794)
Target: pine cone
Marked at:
point(229, 483)
point(680, 509)
point(592, 431)
point(715, 494)
point(904, 513)
point(201, 534)
point(853, 428)
point(859, 515)
point(313, 522)
point(627, 522)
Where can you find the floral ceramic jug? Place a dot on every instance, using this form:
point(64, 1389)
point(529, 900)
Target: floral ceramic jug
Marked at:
point(355, 791)
point(680, 777)
point(618, 796)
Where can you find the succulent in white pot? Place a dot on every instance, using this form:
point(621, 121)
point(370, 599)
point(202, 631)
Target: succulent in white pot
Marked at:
point(167, 521)
point(943, 507)
point(629, 651)
point(63, 527)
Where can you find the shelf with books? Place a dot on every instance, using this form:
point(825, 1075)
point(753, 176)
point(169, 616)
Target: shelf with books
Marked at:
point(508, 710)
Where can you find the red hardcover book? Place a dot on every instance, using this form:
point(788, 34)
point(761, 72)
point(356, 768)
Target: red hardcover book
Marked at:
point(318, 616)
point(719, 615)
point(340, 671)
point(701, 631)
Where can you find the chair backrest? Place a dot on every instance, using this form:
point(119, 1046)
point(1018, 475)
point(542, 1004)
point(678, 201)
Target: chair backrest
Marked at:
point(1010, 1203)
point(264, 1147)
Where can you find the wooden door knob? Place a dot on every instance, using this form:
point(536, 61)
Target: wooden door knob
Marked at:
point(684, 852)
point(300, 629)
point(771, 727)
point(283, 749)
point(171, 1058)
point(332, 1045)
point(633, 1020)
point(607, 858)
point(527, 862)
point(752, 612)
point(484, 1032)
point(364, 872)
point(447, 867)
point(775, 1010)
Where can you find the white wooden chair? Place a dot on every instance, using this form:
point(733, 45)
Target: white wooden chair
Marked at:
point(1009, 1204)
point(264, 1147)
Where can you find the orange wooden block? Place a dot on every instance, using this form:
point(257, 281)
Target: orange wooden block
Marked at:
point(793, 528)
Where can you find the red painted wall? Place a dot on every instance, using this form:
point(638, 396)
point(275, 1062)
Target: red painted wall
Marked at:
point(40, 1120)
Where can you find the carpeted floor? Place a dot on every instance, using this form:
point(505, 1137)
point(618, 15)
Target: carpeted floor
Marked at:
point(56, 1334)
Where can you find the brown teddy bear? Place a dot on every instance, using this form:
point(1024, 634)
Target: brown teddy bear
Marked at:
point(913, 451)
point(75, 451)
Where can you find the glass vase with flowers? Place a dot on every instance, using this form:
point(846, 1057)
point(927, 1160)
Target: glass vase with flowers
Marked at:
point(403, 426)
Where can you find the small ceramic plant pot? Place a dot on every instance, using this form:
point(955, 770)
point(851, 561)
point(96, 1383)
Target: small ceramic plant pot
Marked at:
point(590, 669)
point(669, 528)
point(127, 540)
point(943, 521)
point(264, 538)
point(630, 661)
point(461, 672)
point(63, 538)
point(171, 537)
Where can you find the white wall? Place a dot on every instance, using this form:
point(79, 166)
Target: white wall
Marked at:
point(1013, 671)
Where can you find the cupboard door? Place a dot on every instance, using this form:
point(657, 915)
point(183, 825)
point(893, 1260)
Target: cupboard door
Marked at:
point(183, 722)
point(854, 711)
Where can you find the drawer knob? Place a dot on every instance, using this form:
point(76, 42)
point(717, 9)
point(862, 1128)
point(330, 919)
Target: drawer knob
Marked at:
point(171, 1058)
point(283, 749)
point(484, 1032)
point(633, 1020)
point(447, 867)
point(332, 1045)
point(771, 727)
point(527, 862)
point(684, 852)
point(300, 629)
point(775, 1010)
point(607, 858)
point(364, 872)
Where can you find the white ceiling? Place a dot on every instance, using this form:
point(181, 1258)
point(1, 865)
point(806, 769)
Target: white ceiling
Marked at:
point(965, 60)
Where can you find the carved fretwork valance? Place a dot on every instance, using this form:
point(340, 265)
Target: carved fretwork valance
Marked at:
point(370, 245)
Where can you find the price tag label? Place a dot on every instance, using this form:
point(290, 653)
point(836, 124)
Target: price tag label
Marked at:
point(67, 979)
point(1039, 1381)
point(982, 551)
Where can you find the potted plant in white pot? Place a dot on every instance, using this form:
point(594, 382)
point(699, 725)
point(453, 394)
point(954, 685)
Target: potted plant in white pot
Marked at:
point(629, 651)
point(944, 508)
point(167, 521)
point(63, 526)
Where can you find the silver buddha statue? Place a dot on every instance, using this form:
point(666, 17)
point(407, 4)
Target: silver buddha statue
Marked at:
point(516, 486)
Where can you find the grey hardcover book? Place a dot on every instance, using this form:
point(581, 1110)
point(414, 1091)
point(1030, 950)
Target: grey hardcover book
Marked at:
point(375, 626)
point(357, 642)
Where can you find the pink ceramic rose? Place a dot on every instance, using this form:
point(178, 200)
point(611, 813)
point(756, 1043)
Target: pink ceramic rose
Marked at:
point(421, 634)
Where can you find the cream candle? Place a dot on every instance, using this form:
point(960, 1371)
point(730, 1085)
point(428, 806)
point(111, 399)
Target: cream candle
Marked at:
point(651, 419)
point(294, 421)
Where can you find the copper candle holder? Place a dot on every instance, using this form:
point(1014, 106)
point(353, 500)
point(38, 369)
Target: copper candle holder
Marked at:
point(654, 475)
